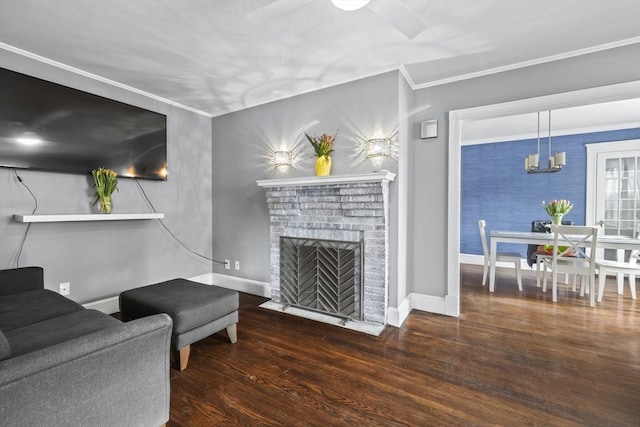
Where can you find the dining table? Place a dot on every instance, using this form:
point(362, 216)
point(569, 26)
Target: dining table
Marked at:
point(620, 243)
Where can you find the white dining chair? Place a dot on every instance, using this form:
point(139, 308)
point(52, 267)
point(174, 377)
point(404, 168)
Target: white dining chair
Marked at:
point(540, 256)
point(574, 249)
point(513, 257)
point(632, 268)
point(543, 226)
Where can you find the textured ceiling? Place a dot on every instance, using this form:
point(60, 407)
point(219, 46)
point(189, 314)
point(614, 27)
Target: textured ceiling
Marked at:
point(217, 56)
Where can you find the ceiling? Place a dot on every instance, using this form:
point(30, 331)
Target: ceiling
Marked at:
point(599, 117)
point(216, 56)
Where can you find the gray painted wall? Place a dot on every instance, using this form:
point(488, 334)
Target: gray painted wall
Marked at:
point(242, 142)
point(428, 256)
point(101, 259)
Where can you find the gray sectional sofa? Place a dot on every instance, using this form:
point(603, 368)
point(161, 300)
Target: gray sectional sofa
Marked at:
point(63, 365)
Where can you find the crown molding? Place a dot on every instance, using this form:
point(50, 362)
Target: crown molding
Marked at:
point(401, 68)
point(407, 76)
point(96, 77)
point(543, 60)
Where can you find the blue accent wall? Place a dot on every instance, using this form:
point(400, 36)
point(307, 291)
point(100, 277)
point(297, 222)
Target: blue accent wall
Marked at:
point(496, 188)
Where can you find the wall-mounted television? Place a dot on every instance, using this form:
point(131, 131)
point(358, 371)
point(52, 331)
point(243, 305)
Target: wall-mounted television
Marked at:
point(47, 126)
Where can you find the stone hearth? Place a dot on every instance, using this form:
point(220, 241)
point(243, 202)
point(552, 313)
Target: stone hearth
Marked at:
point(349, 208)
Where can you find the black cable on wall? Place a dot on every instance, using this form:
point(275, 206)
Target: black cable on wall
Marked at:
point(170, 232)
point(26, 232)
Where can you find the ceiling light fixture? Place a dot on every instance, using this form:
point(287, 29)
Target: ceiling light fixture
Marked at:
point(350, 4)
point(555, 161)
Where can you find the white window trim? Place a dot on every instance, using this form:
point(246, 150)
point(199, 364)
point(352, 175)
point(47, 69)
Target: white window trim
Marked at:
point(592, 160)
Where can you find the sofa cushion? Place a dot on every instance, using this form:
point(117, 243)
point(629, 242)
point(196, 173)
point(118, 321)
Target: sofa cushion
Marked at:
point(5, 350)
point(25, 308)
point(21, 279)
point(58, 329)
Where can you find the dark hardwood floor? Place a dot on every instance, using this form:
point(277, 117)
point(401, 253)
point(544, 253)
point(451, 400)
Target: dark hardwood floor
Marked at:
point(510, 359)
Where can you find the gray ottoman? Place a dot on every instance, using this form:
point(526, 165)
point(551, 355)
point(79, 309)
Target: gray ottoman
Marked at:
point(197, 311)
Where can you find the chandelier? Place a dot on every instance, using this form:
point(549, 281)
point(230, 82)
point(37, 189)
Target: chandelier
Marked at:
point(554, 162)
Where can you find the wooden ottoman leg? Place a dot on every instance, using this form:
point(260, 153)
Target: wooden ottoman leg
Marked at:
point(232, 332)
point(181, 357)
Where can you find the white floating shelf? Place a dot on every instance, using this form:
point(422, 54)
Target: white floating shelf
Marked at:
point(86, 217)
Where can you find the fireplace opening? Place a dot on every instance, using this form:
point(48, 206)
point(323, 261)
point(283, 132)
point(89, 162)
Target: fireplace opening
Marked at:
point(322, 275)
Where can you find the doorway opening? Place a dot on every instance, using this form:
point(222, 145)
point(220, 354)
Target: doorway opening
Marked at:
point(459, 118)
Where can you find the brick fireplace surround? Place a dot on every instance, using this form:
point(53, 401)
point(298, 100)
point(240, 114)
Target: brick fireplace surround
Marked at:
point(337, 207)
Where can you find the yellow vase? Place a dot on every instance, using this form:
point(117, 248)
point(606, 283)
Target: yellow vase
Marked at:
point(323, 166)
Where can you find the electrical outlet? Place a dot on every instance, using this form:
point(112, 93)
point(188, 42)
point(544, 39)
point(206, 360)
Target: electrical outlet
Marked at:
point(65, 288)
point(237, 265)
point(227, 264)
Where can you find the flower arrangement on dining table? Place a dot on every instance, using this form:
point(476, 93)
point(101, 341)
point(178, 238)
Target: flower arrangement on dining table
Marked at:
point(557, 209)
point(106, 182)
point(323, 147)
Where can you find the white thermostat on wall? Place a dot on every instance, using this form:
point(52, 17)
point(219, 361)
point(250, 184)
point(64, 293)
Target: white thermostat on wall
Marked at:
point(429, 129)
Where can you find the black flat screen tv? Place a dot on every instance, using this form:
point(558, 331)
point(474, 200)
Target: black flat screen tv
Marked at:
point(47, 126)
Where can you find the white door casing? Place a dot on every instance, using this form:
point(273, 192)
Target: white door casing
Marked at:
point(457, 118)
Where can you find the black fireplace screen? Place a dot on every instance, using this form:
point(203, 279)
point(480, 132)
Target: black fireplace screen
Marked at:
point(322, 275)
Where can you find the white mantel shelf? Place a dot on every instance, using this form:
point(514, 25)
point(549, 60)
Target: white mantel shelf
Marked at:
point(86, 217)
point(327, 180)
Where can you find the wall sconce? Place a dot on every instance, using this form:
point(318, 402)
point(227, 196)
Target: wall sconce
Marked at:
point(282, 158)
point(378, 147)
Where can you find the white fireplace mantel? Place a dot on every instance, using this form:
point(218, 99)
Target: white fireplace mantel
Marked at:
point(383, 176)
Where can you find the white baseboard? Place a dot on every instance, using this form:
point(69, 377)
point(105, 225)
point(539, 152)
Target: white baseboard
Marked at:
point(397, 316)
point(112, 304)
point(446, 305)
point(429, 303)
point(451, 306)
point(108, 305)
point(479, 260)
point(239, 284)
